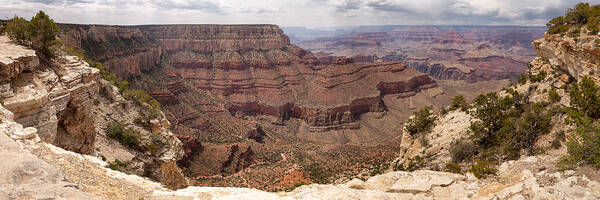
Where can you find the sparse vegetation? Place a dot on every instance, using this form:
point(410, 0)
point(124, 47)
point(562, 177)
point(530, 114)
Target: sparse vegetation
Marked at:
point(140, 97)
point(453, 167)
point(584, 145)
point(118, 165)
point(553, 96)
point(522, 79)
point(482, 169)
point(586, 98)
point(421, 121)
point(582, 15)
point(463, 150)
point(125, 136)
point(459, 102)
point(39, 34)
point(539, 77)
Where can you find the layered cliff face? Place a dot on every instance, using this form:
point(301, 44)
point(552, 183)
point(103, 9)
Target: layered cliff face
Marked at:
point(256, 111)
point(578, 56)
point(55, 101)
point(254, 68)
point(68, 105)
point(470, 53)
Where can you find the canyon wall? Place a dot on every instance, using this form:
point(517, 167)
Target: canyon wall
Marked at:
point(253, 67)
point(470, 53)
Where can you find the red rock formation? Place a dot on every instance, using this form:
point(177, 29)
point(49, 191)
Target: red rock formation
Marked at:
point(255, 68)
point(416, 34)
point(451, 37)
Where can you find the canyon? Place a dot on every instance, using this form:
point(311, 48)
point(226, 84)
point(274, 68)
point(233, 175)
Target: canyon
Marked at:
point(258, 111)
point(470, 53)
point(47, 169)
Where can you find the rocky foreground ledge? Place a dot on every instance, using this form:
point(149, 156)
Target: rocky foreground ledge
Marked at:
point(38, 170)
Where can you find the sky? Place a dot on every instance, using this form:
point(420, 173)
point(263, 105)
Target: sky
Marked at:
point(307, 13)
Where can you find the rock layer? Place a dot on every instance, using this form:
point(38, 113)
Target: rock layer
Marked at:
point(55, 101)
point(254, 67)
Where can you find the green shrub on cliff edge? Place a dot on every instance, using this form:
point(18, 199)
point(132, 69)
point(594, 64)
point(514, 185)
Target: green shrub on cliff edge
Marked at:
point(39, 34)
point(422, 121)
point(582, 15)
point(583, 147)
point(125, 136)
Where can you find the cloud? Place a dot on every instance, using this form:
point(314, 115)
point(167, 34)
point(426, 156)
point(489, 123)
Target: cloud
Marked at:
point(295, 12)
point(198, 5)
point(59, 2)
point(345, 5)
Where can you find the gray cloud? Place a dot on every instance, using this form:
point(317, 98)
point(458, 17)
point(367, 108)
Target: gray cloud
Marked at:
point(347, 5)
point(59, 2)
point(294, 12)
point(200, 5)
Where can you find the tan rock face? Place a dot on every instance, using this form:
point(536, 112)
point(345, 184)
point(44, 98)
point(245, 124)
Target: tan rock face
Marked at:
point(576, 57)
point(15, 59)
point(55, 102)
point(25, 176)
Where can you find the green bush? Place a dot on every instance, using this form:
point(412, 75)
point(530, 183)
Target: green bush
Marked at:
point(125, 136)
point(521, 132)
point(539, 77)
point(558, 138)
point(463, 150)
point(459, 102)
point(482, 169)
point(585, 97)
point(584, 145)
point(522, 79)
point(453, 168)
point(118, 165)
point(582, 14)
point(491, 110)
point(421, 121)
point(16, 29)
point(39, 34)
point(553, 96)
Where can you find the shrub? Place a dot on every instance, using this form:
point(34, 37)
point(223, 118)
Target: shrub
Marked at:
point(318, 173)
point(138, 96)
point(118, 165)
point(125, 136)
point(453, 168)
point(539, 77)
point(459, 102)
point(521, 133)
point(482, 169)
point(39, 34)
point(585, 97)
point(558, 138)
point(42, 32)
point(522, 79)
point(582, 14)
point(491, 110)
point(16, 29)
point(421, 121)
point(553, 96)
point(463, 150)
point(584, 146)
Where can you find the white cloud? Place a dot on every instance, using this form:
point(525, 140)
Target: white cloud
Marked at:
point(293, 12)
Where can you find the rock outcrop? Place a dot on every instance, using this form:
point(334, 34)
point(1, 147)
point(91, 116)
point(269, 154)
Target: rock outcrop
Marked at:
point(578, 56)
point(56, 101)
point(62, 102)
